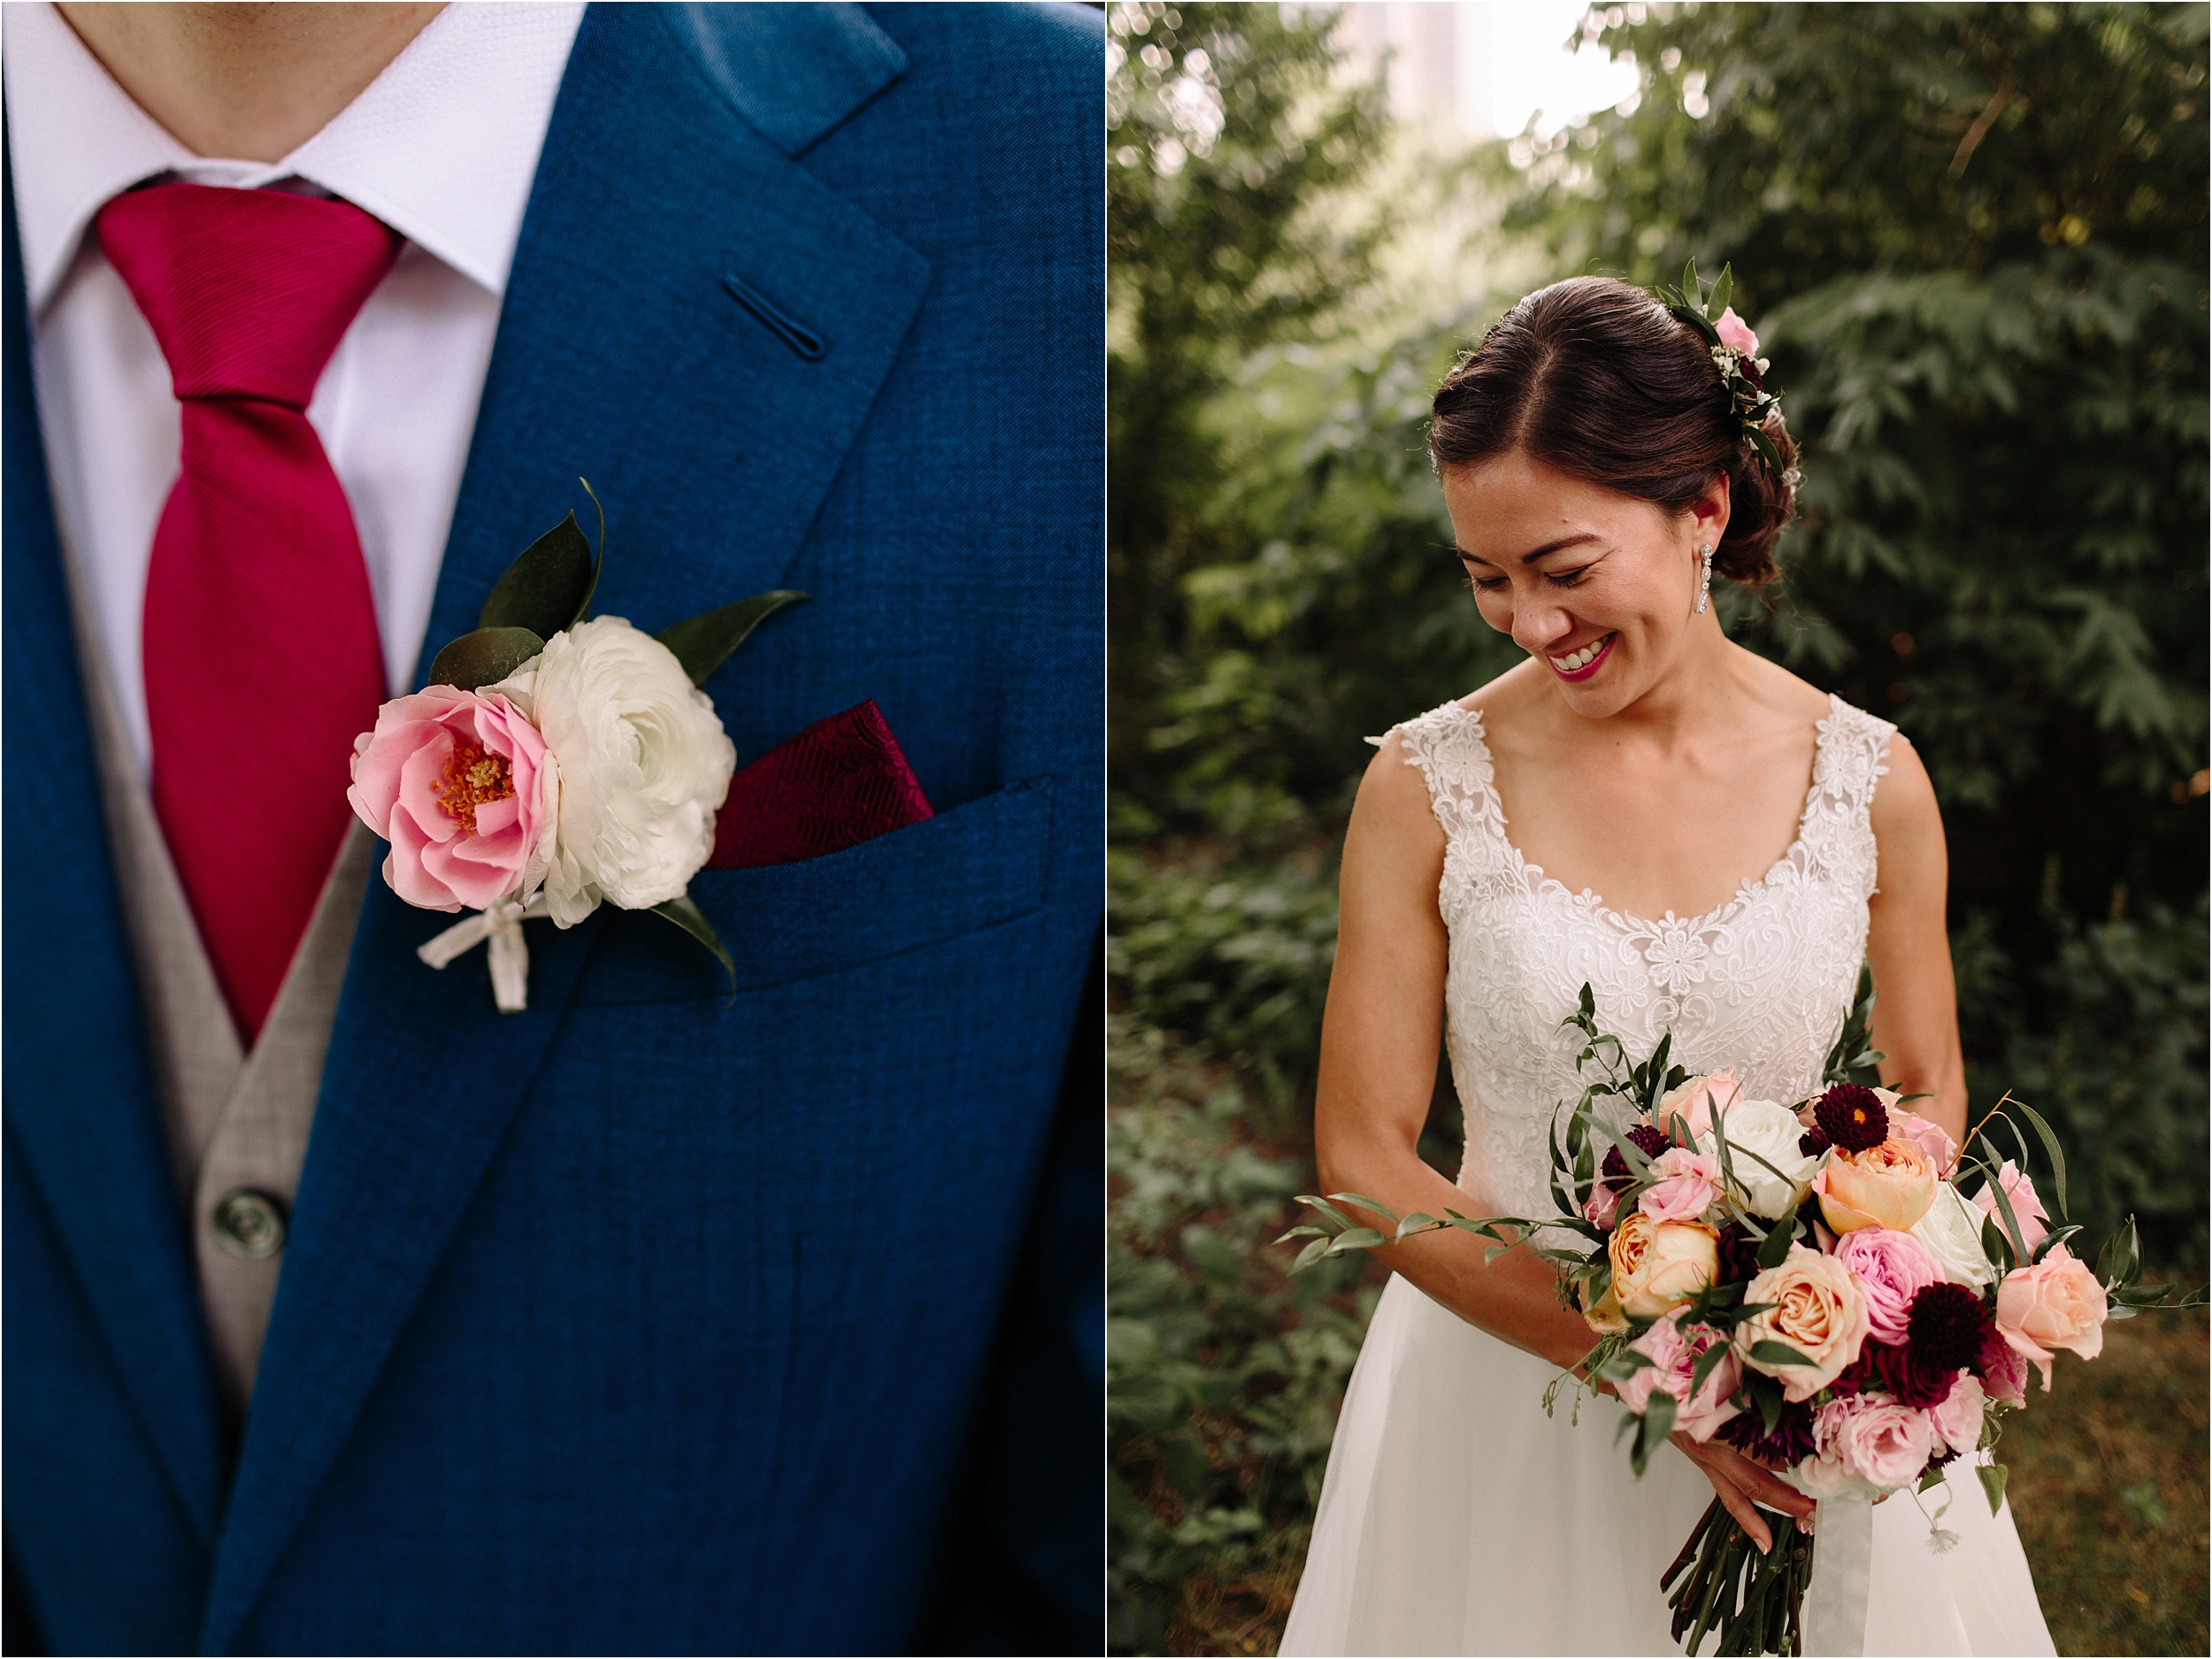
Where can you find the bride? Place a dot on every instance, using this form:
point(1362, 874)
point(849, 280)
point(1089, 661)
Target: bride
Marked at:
point(1714, 846)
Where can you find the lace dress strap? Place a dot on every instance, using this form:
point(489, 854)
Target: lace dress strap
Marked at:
point(1447, 744)
point(1847, 764)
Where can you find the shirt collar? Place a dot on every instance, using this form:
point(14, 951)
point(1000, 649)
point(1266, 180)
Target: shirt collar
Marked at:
point(442, 146)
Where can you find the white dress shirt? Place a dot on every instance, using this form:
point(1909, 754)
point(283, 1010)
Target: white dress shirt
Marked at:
point(442, 146)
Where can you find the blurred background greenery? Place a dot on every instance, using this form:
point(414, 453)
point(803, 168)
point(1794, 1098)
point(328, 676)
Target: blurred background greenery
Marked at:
point(1973, 240)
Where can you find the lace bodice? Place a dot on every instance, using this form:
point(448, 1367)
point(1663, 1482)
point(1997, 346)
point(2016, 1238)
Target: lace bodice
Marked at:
point(1762, 983)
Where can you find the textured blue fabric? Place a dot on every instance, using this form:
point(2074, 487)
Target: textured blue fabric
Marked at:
point(645, 1321)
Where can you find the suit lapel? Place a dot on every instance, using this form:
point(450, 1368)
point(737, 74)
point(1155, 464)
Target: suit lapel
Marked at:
point(698, 328)
point(79, 1089)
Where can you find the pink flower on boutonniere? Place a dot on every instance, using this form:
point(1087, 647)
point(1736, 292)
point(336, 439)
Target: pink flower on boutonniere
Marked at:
point(463, 789)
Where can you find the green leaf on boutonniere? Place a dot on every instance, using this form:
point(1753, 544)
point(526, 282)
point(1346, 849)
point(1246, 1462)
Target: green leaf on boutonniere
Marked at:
point(485, 657)
point(549, 585)
point(1724, 290)
point(702, 644)
point(692, 920)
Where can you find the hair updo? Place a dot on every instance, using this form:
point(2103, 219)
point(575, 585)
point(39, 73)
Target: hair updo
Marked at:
point(1601, 380)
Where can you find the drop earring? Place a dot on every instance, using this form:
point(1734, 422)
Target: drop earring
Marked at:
point(1705, 586)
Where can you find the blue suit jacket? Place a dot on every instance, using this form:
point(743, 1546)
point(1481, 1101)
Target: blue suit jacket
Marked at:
point(639, 1322)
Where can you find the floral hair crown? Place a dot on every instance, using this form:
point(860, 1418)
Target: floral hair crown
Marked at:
point(1735, 350)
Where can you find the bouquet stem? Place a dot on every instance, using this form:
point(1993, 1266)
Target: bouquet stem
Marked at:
point(1755, 1602)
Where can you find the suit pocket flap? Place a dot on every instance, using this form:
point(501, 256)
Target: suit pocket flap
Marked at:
point(973, 866)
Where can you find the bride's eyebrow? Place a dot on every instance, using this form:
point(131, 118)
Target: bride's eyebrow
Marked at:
point(1530, 558)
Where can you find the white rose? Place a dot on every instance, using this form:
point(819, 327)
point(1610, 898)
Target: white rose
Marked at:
point(1952, 1230)
point(1766, 1131)
point(644, 765)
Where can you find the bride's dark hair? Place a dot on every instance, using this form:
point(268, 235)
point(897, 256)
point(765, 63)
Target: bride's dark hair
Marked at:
point(1601, 380)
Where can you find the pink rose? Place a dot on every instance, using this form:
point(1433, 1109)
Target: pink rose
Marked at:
point(1958, 1420)
point(2056, 1303)
point(1672, 1356)
point(2004, 1373)
point(462, 786)
point(1875, 1438)
point(1698, 1102)
point(1889, 1186)
point(1933, 1140)
point(2027, 1209)
point(1601, 1207)
point(1736, 334)
point(1683, 1185)
point(1892, 1267)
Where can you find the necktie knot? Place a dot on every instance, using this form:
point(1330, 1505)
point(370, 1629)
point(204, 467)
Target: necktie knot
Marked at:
point(248, 292)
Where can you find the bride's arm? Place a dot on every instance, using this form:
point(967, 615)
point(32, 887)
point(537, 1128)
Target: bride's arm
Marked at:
point(1915, 1010)
point(1379, 1043)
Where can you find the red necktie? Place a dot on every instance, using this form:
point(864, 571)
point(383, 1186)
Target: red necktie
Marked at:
point(261, 652)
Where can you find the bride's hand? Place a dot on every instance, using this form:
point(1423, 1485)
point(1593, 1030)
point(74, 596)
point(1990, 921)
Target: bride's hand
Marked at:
point(1742, 1485)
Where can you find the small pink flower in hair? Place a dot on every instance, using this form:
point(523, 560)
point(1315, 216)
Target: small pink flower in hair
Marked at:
point(1736, 334)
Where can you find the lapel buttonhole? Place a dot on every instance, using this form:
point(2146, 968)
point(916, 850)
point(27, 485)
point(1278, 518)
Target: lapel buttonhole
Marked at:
point(788, 328)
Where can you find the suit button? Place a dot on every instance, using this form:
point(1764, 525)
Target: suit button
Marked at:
point(249, 1223)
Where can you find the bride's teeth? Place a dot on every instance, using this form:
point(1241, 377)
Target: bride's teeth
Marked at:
point(1580, 659)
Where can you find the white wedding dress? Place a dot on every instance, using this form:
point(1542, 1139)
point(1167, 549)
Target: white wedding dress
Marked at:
point(1456, 1518)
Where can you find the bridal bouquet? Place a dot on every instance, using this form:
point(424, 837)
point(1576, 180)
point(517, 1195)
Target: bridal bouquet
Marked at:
point(1809, 1282)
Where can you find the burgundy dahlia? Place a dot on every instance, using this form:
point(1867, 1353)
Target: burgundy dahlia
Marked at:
point(1812, 1144)
point(1739, 1255)
point(1946, 1326)
point(1791, 1443)
point(1647, 1140)
point(1852, 1117)
point(1897, 1373)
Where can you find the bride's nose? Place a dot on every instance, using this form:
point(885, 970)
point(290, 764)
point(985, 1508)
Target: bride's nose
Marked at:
point(1539, 624)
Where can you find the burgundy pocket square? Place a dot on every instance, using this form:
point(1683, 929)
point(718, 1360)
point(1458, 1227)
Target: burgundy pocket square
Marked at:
point(841, 782)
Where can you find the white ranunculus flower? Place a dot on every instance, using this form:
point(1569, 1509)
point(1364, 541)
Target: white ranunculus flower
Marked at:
point(644, 765)
point(1952, 1230)
point(1769, 1132)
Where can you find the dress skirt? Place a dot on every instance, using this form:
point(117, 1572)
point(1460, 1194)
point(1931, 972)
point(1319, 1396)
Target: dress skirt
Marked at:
point(1456, 1518)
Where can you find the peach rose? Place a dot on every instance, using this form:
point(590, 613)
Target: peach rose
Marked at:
point(1818, 1309)
point(1698, 1102)
point(2056, 1303)
point(462, 787)
point(1658, 1264)
point(1889, 1186)
point(1605, 1317)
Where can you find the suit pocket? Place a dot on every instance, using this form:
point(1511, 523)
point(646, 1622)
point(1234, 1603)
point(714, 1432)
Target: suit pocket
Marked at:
point(974, 866)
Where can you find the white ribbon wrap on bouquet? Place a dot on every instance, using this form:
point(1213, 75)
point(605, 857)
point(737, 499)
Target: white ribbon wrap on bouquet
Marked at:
point(1843, 1578)
point(502, 927)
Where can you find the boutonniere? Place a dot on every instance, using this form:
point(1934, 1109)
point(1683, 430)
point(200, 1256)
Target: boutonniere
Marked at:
point(556, 762)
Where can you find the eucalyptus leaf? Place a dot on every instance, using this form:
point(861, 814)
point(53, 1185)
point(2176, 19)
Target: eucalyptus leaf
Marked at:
point(1996, 1246)
point(1774, 1353)
point(548, 586)
point(484, 657)
point(1708, 1362)
point(1768, 1394)
point(1996, 1190)
point(1724, 290)
point(704, 644)
point(1357, 1238)
point(1365, 1203)
point(1313, 1251)
point(2050, 1145)
point(1992, 1479)
point(692, 920)
point(1776, 1250)
point(1418, 1221)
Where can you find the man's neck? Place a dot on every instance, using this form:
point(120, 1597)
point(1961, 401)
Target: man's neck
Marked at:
point(246, 82)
